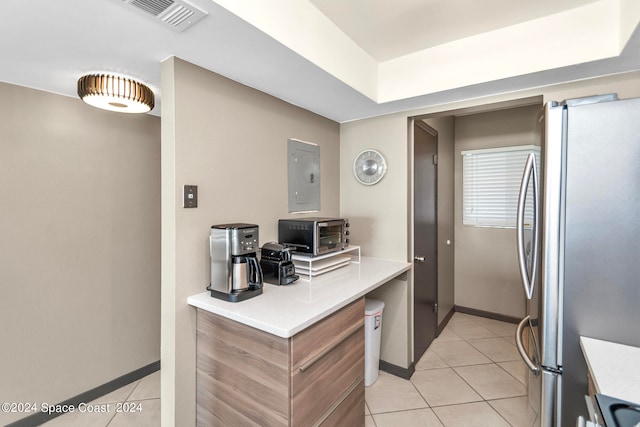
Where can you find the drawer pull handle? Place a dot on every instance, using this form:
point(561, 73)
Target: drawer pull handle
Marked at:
point(341, 338)
point(337, 403)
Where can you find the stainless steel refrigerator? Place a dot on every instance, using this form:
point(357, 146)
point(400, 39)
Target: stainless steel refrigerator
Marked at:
point(580, 254)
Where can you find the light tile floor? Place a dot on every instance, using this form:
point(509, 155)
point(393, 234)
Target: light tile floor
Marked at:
point(139, 403)
point(471, 375)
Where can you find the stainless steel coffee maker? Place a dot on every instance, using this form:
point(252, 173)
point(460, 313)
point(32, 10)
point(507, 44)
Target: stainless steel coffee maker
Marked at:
point(235, 271)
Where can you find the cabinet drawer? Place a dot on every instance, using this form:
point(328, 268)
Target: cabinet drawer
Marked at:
point(242, 374)
point(350, 412)
point(322, 334)
point(317, 388)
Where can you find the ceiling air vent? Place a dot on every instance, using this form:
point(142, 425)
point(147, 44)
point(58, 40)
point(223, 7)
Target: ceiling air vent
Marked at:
point(154, 7)
point(175, 14)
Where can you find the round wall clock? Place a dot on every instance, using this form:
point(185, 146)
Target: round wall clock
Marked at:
point(369, 167)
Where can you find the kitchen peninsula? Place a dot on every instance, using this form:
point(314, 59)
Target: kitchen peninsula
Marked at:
point(613, 372)
point(293, 355)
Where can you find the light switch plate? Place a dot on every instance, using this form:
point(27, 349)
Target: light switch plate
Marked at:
point(190, 196)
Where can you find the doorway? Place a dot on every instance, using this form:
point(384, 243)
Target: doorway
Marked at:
point(425, 221)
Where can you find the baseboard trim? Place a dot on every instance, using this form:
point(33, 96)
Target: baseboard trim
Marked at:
point(88, 396)
point(487, 314)
point(392, 369)
point(445, 322)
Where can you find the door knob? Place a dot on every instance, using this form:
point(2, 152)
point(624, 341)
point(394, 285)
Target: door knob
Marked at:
point(418, 258)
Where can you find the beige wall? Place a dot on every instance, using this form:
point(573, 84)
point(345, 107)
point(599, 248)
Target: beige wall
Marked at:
point(381, 221)
point(231, 141)
point(486, 275)
point(378, 217)
point(380, 213)
point(79, 246)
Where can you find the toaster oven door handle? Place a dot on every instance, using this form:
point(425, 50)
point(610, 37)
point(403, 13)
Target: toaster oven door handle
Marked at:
point(330, 223)
point(342, 338)
point(295, 245)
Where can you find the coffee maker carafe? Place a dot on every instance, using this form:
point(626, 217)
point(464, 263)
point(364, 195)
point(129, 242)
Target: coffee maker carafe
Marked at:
point(235, 272)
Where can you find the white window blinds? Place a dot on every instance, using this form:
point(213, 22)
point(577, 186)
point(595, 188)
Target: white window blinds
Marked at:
point(490, 185)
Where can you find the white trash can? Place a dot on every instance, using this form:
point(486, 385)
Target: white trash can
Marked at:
point(372, 335)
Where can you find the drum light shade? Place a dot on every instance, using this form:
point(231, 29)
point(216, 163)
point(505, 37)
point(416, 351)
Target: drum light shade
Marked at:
point(115, 93)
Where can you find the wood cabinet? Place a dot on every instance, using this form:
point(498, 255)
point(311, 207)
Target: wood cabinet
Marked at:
point(595, 416)
point(247, 377)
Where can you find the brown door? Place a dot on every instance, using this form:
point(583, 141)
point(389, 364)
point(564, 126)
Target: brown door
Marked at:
point(425, 284)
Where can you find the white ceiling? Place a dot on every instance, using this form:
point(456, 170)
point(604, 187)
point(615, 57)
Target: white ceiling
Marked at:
point(387, 29)
point(341, 59)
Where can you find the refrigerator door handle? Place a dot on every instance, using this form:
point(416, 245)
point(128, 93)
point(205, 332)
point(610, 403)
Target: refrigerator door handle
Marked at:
point(530, 170)
point(519, 344)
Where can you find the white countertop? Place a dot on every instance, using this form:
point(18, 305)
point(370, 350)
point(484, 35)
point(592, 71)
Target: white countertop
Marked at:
point(286, 310)
point(615, 368)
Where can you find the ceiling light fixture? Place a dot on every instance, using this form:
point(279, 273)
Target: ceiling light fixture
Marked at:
point(115, 93)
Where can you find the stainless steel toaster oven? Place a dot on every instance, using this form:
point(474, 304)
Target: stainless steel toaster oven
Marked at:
point(314, 236)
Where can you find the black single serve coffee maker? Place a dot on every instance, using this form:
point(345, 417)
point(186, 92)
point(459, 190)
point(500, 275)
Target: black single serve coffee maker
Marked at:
point(276, 264)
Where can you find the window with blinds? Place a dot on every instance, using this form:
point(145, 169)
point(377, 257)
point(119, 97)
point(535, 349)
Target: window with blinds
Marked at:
point(490, 185)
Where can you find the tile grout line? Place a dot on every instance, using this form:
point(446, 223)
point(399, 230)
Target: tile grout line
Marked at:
point(110, 419)
point(492, 363)
point(512, 376)
point(487, 402)
point(420, 394)
point(373, 420)
point(125, 400)
point(497, 363)
point(500, 367)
